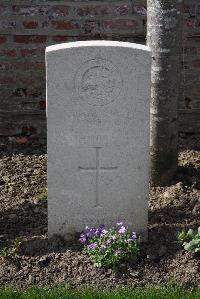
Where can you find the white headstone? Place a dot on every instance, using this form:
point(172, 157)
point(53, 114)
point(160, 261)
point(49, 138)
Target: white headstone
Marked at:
point(98, 95)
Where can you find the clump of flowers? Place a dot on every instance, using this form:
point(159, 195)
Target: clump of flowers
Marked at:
point(190, 240)
point(109, 247)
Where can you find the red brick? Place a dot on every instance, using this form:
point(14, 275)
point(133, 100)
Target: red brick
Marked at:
point(33, 81)
point(28, 52)
point(38, 66)
point(60, 38)
point(120, 24)
point(8, 52)
point(21, 140)
point(29, 66)
point(64, 25)
point(23, 66)
point(196, 63)
point(35, 92)
point(26, 39)
point(7, 80)
point(3, 39)
point(42, 105)
point(7, 131)
point(30, 24)
point(195, 36)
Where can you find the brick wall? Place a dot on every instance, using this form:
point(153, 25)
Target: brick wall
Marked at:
point(27, 27)
point(190, 90)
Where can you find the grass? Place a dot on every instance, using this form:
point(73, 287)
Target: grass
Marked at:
point(62, 293)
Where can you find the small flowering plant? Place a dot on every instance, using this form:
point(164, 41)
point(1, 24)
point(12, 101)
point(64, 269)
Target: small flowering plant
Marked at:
point(109, 248)
point(190, 240)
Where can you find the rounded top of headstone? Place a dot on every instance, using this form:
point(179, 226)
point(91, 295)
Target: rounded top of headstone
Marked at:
point(97, 43)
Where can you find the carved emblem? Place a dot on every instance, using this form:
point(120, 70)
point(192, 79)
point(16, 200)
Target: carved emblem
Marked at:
point(98, 82)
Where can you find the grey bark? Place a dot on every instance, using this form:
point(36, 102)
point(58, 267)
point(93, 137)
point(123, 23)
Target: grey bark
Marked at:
point(164, 37)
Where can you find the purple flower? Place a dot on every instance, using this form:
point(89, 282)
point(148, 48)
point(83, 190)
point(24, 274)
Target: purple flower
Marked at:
point(104, 231)
point(87, 231)
point(122, 230)
point(83, 238)
point(113, 238)
point(107, 242)
point(92, 246)
point(134, 236)
point(101, 226)
point(91, 232)
point(120, 224)
point(96, 232)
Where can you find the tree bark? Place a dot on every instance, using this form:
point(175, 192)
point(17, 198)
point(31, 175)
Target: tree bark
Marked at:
point(164, 37)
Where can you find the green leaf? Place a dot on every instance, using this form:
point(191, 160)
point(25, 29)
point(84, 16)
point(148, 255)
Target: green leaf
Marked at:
point(197, 250)
point(190, 233)
point(181, 236)
point(194, 243)
point(187, 246)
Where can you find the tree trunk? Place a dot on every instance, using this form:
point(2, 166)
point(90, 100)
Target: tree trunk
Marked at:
point(164, 38)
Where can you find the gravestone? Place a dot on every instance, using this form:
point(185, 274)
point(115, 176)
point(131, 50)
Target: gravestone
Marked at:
point(98, 96)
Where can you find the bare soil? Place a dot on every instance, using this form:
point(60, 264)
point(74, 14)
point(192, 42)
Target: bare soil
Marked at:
point(50, 262)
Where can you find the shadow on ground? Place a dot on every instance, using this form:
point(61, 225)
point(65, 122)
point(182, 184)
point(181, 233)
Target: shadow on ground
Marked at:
point(189, 141)
point(189, 176)
point(28, 221)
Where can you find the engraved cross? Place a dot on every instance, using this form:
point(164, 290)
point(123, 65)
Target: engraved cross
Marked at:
point(97, 170)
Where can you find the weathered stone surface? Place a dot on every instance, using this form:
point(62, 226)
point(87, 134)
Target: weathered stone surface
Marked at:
point(98, 96)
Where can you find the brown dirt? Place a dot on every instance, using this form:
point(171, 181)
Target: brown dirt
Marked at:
point(42, 262)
